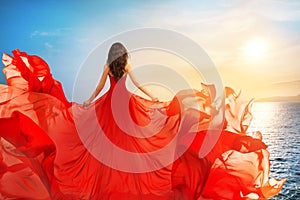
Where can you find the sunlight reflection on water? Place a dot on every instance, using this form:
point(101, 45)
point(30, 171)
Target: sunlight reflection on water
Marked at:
point(279, 123)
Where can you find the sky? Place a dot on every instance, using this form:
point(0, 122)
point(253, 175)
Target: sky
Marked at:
point(254, 45)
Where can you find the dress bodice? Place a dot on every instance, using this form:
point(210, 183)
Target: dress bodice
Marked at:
point(113, 81)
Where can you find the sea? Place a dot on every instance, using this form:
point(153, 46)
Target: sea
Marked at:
point(279, 123)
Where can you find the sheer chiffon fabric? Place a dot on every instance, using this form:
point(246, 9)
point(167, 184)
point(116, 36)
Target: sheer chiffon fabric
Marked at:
point(53, 149)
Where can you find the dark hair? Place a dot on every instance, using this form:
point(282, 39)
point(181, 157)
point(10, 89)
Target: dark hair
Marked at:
point(117, 60)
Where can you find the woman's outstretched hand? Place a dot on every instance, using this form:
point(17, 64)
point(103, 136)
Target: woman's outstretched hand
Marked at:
point(86, 103)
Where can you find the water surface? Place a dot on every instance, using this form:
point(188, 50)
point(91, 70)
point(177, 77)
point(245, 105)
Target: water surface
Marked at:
point(280, 124)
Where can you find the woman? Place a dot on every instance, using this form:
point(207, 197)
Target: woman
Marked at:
point(124, 147)
point(117, 66)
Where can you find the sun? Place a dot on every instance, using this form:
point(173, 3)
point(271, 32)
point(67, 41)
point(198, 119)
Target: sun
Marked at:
point(255, 48)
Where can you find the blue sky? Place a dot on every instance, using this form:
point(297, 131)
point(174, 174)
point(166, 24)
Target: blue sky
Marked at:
point(65, 32)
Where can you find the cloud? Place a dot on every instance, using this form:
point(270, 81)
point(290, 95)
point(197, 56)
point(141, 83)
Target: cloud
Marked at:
point(277, 10)
point(223, 16)
point(43, 33)
point(226, 26)
point(48, 45)
point(289, 88)
point(223, 28)
point(287, 83)
point(281, 10)
point(58, 32)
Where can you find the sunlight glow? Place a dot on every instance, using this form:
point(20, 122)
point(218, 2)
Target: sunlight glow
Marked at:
point(255, 48)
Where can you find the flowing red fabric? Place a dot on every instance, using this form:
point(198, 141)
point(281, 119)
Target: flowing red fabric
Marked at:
point(123, 146)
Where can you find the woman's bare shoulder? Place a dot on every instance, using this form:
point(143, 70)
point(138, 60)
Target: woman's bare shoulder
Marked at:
point(127, 67)
point(106, 68)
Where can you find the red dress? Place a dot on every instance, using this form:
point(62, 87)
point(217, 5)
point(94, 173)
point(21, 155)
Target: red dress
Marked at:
point(124, 146)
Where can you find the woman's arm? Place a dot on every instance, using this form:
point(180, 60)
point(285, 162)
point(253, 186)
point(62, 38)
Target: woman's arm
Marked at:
point(136, 83)
point(99, 87)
